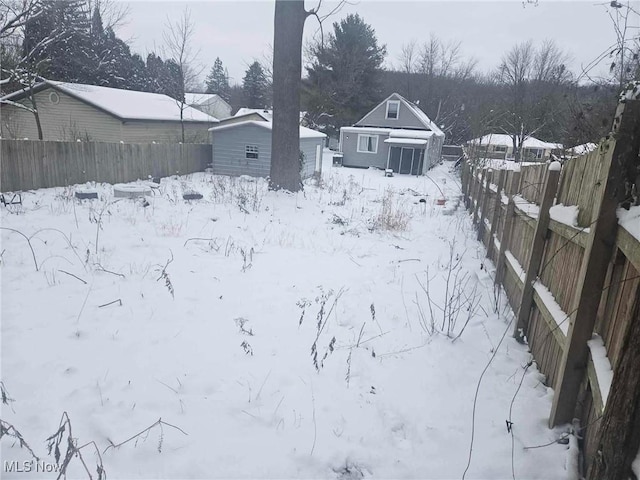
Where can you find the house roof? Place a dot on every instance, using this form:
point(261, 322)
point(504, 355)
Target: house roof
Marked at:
point(304, 131)
point(505, 140)
point(392, 132)
point(265, 112)
point(123, 104)
point(200, 98)
point(268, 114)
point(584, 148)
point(413, 108)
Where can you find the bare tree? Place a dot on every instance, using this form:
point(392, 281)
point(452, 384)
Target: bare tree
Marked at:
point(178, 39)
point(531, 77)
point(408, 63)
point(14, 14)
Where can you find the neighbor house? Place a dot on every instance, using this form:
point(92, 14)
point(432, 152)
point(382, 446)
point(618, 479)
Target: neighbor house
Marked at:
point(242, 146)
point(71, 112)
point(395, 135)
point(209, 103)
point(500, 146)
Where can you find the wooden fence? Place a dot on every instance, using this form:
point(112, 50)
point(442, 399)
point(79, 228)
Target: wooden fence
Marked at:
point(30, 164)
point(574, 283)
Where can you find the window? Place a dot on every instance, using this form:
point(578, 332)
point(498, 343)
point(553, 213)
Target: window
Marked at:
point(500, 148)
point(251, 151)
point(393, 107)
point(367, 143)
point(535, 153)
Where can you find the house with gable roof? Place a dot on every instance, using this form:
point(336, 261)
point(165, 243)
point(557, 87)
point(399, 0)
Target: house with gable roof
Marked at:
point(209, 103)
point(72, 111)
point(500, 146)
point(395, 135)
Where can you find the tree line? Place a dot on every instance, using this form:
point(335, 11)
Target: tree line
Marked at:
point(531, 91)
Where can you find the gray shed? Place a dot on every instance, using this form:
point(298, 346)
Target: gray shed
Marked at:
point(244, 148)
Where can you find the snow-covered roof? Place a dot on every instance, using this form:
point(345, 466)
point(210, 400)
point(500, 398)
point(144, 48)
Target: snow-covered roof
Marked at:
point(584, 148)
point(202, 98)
point(304, 131)
point(392, 132)
point(406, 141)
point(405, 133)
point(265, 112)
point(268, 114)
point(505, 140)
point(125, 104)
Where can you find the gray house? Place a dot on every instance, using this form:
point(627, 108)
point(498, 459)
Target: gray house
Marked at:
point(395, 135)
point(242, 146)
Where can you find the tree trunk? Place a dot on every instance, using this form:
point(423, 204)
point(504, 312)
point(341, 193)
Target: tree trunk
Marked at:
point(620, 431)
point(36, 114)
point(290, 16)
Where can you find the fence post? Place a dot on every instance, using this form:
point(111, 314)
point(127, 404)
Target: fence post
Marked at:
point(485, 203)
point(505, 240)
point(620, 427)
point(464, 181)
point(476, 208)
point(610, 189)
point(497, 208)
point(537, 248)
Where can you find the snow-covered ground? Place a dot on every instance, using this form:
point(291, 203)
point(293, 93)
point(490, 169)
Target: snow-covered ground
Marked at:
point(275, 335)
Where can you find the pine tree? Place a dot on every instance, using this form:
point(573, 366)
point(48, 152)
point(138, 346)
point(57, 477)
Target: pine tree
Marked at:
point(344, 78)
point(59, 41)
point(254, 85)
point(218, 80)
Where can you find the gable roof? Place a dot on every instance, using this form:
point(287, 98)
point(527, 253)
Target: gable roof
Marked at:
point(414, 109)
point(122, 104)
point(203, 98)
point(268, 114)
point(304, 131)
point(505, 140)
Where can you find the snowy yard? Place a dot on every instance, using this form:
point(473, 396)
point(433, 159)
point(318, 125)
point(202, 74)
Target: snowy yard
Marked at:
point(277, 335)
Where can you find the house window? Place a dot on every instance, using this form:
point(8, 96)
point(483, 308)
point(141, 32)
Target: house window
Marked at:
point(393, 107)
point(251, 151)
point(367, 143)
point(500, 148)
point(536, 153)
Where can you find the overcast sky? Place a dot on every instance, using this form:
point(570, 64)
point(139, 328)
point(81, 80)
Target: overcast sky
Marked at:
point(240, 31)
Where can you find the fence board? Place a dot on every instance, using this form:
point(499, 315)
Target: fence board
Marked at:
point(26, 165)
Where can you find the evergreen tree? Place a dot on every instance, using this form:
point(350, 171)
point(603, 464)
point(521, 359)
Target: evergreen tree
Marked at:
point(218, 80)
point(344, 78)
point(59, 41)
point(254, 85)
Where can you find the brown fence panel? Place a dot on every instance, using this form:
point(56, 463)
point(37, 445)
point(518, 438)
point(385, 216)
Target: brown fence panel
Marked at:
point(28, 164)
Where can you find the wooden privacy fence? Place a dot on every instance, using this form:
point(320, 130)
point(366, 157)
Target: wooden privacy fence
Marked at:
point(31, 164)
point(572, 277)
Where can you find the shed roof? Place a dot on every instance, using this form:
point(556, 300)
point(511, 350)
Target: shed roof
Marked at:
point(304, 131)
point(123, 104)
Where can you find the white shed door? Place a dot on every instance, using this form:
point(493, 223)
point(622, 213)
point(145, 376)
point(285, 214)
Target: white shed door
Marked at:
point(319, 158)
